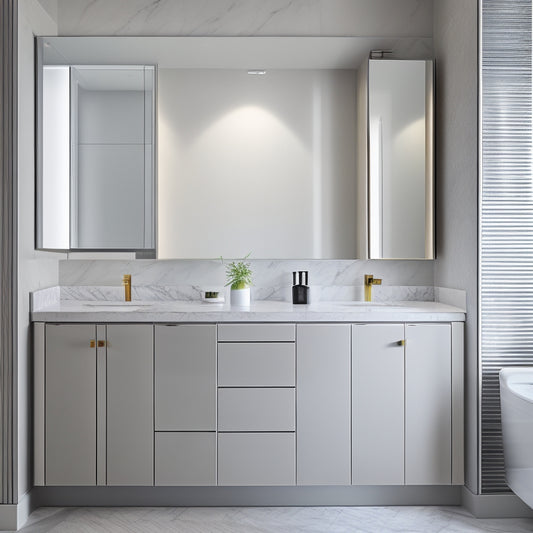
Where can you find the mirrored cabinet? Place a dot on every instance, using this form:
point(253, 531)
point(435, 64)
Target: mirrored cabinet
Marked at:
point(288, 164)
point(396, 162)
point(95, 186)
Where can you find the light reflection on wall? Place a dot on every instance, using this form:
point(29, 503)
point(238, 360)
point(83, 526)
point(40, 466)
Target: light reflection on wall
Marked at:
point(245, 165)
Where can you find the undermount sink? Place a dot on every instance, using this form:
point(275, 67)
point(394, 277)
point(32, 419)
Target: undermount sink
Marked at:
point(118, 306)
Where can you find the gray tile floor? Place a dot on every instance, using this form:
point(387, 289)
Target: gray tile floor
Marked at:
point(266, 520)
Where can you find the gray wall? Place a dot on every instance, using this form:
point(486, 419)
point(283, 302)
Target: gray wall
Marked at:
point(35, 269)
point(455, 46)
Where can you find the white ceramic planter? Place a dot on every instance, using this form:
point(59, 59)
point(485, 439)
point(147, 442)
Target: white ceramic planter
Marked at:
point(240, 297)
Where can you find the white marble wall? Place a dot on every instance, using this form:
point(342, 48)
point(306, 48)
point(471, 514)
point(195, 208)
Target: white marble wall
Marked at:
point(246, 17)
point(185, 279)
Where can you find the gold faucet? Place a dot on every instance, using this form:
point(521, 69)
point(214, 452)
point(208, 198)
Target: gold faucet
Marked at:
point(126, 281)
point(369, 281)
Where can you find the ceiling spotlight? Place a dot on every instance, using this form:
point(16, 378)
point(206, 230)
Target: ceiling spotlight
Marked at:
point(257, 72)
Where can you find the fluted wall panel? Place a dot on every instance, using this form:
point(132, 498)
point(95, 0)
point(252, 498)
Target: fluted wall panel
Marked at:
point(8, 246)
point(506, 226)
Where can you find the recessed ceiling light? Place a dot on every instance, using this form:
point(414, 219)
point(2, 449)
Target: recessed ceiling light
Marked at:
point(257, 72)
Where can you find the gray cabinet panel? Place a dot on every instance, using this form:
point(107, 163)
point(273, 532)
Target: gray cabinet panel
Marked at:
point(256, 459)
point(256, 332)
point(130, 404)
point(70, 392)
point(323, 404)
point(378, 404)
point(256, 409)
point(428, 404)
point(185, 458)
point(185, 378)
point(256, 364)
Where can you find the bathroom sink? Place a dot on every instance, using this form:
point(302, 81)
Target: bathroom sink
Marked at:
point(118, 306)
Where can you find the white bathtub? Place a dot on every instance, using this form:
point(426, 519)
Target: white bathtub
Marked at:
point(516, 396)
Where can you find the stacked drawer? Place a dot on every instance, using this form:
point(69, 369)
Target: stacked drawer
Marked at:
point(256, 404)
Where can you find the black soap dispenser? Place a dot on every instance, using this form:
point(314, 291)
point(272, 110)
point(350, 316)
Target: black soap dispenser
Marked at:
point(300, 291)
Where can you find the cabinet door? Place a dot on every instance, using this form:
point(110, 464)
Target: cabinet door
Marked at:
point(378, 404)
point(428, 404)
point(185, 378)
point(70, 393)
point(130, 427)
point(323, 404)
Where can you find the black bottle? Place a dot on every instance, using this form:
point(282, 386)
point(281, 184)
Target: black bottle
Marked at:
point(300, 292)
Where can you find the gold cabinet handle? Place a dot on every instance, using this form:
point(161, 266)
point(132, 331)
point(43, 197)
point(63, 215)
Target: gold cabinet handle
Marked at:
point(401, 343)
point(101, 344)
point(92, 343)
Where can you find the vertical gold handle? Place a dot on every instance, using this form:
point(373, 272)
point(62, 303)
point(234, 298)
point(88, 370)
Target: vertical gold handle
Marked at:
point(101, 344)
point(92, 343)
point(401, 343)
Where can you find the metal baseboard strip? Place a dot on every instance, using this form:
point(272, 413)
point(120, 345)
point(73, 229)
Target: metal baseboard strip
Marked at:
point(246, 496)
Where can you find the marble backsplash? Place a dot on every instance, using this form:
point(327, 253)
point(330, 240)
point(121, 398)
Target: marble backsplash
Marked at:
point(283, 294)
point(267, 274)
point(186, 279)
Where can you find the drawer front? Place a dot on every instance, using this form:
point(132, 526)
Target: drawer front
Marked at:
point(256, 410)
point(256, 365)
point(256, 459)
point(185, 459)
point(256, 332)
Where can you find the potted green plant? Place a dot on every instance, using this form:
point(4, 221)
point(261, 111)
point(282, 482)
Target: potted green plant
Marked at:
point(239, 278)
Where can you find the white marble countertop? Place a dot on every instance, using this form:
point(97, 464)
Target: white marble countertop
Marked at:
point(259, 311)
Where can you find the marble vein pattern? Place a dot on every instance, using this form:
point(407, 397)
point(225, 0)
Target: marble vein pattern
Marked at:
point(259, 311)
point(268, 519)
point(267, 273)
point(191, 293)
point(45, 297)
point(246, 17)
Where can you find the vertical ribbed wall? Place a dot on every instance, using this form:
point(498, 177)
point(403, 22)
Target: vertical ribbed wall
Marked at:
point(506, 244)
point(8, 243)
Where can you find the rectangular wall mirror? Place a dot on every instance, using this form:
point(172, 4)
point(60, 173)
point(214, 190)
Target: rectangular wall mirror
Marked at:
point(256, 147)
point(400, 165)
point(96, 177)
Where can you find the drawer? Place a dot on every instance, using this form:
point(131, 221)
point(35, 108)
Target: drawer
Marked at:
point(185, 458)
point(256, 459)
point(256, 409)
point(256, 332)
point(256, 364)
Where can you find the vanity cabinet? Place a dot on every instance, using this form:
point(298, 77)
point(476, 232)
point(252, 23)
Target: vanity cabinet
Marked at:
point(249, 404)
point(256, 404)
point(95, 394)
point(323, 404)
point(185, 404)
point(407, 405)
